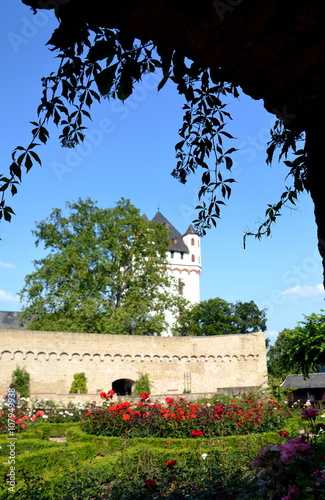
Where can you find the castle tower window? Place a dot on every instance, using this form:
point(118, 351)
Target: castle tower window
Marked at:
point(175, 240)
point(171, 254)
point(193, 258)
point(192, 241)
point(182, 255)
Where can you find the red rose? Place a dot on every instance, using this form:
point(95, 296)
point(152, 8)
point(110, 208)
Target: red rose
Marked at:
point(150, 483)
point(283, 433)
point(170, 464)
point(125, 416)
point(23, 426)
point(103, 394)
point(197, 433)
point(144, 395)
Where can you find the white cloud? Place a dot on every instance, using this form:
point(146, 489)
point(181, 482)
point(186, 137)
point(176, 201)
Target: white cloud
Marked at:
point(298, 292)
point(6, 265)
point(8, 297)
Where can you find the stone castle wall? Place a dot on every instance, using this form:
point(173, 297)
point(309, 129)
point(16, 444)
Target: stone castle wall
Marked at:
point(174, 364)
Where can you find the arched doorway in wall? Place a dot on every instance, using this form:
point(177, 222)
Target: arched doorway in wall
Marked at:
point(123, 386)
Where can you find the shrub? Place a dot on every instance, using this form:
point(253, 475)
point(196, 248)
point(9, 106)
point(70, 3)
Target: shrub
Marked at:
point(64, 456)
point(21, 379)
point(79, 384)
point(27, 446)
point(142, 384)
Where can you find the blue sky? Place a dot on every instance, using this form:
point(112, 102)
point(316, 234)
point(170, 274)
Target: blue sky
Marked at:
point(129, 152)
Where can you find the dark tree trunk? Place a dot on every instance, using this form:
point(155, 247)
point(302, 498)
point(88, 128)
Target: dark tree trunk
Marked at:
point(316, 183)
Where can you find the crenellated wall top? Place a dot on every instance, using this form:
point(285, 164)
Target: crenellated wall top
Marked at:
point(79, 345)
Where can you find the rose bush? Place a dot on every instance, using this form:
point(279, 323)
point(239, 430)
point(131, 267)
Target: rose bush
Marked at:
point(29, 412)
point(180, 418)
point(294, 470)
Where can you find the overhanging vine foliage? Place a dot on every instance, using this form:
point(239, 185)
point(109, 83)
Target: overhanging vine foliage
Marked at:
point(105, 63)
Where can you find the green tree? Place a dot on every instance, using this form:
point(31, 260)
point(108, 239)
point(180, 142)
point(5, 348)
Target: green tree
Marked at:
point(301, 350)
point(218, 317)
point(105, 272)
point(277, 361)
point(249, 317)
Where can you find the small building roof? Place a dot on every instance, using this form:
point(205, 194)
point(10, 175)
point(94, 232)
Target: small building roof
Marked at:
point(177, 243)
point(314, 381)
point(9, 320)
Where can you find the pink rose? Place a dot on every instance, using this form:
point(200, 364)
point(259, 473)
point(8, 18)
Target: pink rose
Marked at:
point(304, 450)
point(293, 490)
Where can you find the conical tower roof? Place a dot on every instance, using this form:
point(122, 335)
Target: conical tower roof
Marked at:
point(190, 230)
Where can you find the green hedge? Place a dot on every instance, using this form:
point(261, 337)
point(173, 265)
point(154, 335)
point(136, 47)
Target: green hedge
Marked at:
point(293, 426)
point(27, 446)
point(124, 471)
point(45, 431)
point(64, 456)
point(85, 463)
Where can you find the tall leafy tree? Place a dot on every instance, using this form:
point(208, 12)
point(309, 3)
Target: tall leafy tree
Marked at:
point(278, 365)
point(249, 317)
point(218, 317)
point(301, 350)
point(105, 272)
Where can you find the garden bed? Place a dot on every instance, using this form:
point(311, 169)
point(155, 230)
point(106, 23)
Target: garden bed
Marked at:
point(112, 461)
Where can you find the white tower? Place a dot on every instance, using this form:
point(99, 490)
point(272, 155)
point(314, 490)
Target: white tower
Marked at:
point(184, 261)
